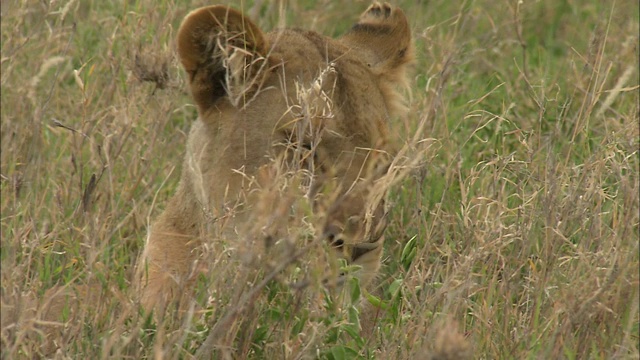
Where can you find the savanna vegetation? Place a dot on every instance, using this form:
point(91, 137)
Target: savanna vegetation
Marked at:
point(513, 234)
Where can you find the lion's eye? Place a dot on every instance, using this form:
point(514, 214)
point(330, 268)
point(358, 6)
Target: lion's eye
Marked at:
point(311, 149)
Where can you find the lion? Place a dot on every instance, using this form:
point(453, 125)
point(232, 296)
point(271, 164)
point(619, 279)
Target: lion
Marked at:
point(288, 94)
point(292, 95)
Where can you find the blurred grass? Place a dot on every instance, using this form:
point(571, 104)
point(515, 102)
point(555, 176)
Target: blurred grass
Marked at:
point(524, 220)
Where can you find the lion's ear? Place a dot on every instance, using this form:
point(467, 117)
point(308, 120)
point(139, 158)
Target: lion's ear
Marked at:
point(224, 54)
point(384, 33)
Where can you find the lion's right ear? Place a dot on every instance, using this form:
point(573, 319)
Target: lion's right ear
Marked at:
point(224, 54)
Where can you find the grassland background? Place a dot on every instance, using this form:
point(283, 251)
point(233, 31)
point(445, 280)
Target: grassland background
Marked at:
point(516, 236)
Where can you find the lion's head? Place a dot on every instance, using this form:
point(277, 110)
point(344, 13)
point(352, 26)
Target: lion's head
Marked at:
point(314, 102)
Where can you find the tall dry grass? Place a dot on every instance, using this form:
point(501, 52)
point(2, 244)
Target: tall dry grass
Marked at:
point(513, 235)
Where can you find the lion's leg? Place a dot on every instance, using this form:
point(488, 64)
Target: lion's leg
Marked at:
point(167, 263)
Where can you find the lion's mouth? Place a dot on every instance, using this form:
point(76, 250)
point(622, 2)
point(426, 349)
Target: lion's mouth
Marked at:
point(362, 249)
point(357, 252)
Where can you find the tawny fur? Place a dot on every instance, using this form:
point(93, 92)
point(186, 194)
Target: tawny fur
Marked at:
point(246, 85)
point(253, 90)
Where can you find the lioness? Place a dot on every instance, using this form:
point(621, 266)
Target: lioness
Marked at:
point(273, 95)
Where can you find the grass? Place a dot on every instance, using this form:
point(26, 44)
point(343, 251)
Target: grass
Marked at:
point(516, 236)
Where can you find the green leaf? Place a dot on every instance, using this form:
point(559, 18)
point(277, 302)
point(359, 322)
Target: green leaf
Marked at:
point(395, 287)
point(340, 352)
point(355, 289)
point(409, 252)
point(375, 301)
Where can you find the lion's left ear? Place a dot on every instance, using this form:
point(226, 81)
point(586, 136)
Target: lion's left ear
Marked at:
point(223, 52)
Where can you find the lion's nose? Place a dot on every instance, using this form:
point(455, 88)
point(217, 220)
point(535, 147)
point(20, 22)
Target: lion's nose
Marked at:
point(333, 234)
